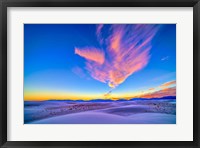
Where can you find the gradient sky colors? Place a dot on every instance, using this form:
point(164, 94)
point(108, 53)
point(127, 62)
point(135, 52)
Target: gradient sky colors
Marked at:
point(89, 61)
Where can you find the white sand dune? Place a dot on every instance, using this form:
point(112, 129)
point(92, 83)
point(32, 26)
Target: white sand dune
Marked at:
point(116, 112)
point(92, 117)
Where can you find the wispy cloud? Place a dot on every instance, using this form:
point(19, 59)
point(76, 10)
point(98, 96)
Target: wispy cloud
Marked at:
point(98, 33)
point(165, 89)
point(161, 93)
point(79, 72)
point(126, 51)
point(91, 54)
point(165, 58)
point(168, 84)
point(151, 89)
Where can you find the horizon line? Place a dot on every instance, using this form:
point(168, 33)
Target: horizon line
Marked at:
point(101, 99)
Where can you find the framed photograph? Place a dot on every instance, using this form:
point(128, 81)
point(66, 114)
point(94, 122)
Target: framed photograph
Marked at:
point(99, 73)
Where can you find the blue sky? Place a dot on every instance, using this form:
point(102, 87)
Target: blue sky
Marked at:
point(57, 56)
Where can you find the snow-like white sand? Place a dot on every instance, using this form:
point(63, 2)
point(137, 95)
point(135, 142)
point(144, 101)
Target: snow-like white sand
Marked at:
point(114, 112)
point(92, 117)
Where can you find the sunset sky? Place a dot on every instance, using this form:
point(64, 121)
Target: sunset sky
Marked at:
point(99, 61)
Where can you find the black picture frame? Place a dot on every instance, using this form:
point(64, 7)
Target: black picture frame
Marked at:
point(4, 4)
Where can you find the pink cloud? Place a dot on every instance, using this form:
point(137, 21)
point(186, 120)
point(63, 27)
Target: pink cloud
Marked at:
point(98, 33)
point(91, 54)
point(99, 28)
point(167, 84)
point(127, 50)
point(151, 89)
point(161, 93)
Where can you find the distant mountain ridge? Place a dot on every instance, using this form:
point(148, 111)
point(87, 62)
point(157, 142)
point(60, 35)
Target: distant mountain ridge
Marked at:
point(162, 98)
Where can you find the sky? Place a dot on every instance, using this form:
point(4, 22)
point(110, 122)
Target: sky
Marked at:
point(99, 61)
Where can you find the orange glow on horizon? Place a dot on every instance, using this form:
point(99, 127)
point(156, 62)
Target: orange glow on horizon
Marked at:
point(156, 92)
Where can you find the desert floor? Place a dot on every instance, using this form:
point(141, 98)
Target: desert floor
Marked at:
point(114, 112)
